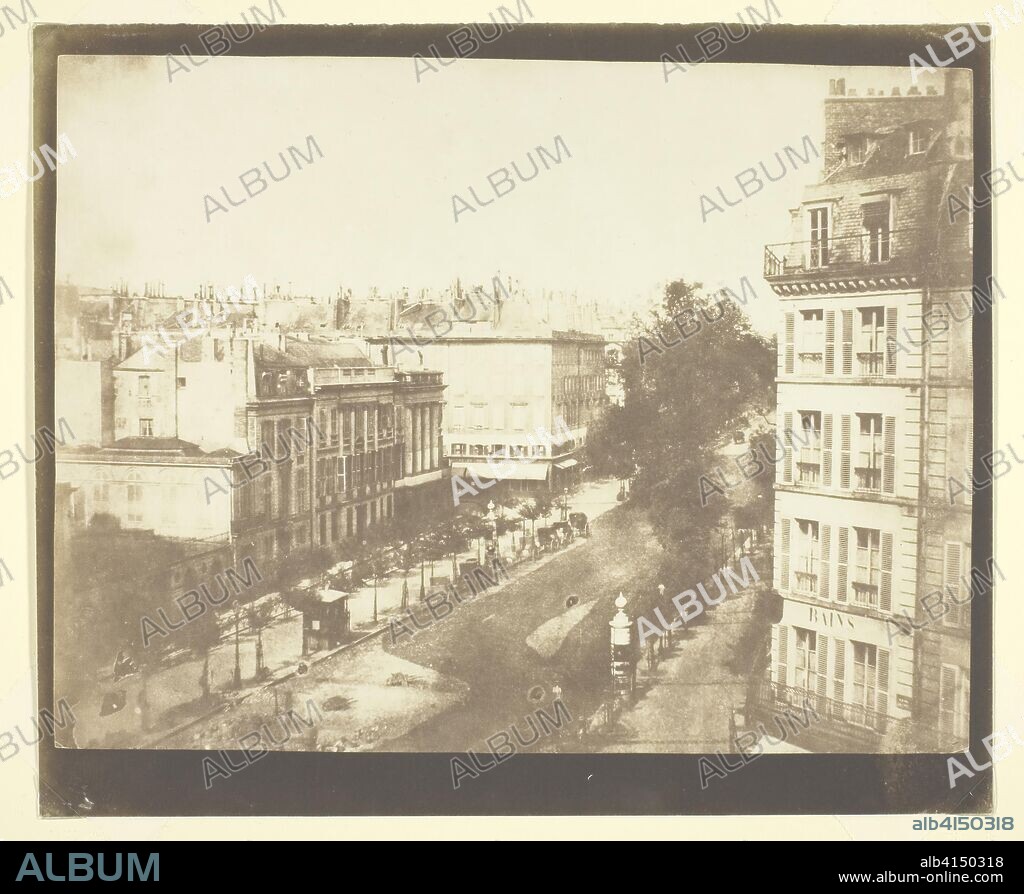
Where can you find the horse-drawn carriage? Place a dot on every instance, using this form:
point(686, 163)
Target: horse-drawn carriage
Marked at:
point(579, 523)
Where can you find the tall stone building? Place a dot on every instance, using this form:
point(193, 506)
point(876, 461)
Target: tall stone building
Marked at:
point(875, 370)
point(271, 443)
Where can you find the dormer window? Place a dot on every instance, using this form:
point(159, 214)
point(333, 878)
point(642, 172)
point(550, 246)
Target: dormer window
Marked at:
point(856, 149)
point(918, 140)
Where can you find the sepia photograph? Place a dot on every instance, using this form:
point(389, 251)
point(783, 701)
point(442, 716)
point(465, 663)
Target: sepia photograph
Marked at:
point(444, 396)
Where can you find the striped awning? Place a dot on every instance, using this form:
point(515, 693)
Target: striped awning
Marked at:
point(503, 471)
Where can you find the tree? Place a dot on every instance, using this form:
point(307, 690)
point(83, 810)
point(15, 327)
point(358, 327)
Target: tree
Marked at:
point(529, 510)
point(257, 617)
point(680, 401)
point(377, 556)
point(449, 539)
point(201, 636)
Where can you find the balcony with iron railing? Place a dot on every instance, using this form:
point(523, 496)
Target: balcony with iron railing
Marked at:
point(806, 576)
point(868, 471)
point(808, 465)
point(857, 719)
point(849, 259)
point(865, 593)
point(870, 363)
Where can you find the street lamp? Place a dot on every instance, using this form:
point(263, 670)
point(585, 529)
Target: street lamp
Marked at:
point(565, 503)
point(623, 668)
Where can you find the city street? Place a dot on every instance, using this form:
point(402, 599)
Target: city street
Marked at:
point(491, 661)
point(476, 670)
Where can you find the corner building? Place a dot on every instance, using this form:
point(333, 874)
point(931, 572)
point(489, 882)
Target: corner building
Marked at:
point(875, 373)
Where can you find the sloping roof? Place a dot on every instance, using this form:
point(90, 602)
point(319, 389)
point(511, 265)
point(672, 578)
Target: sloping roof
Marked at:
point(310, 353)
point(154, 356)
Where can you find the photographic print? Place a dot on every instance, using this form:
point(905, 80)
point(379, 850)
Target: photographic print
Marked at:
point(437, 402)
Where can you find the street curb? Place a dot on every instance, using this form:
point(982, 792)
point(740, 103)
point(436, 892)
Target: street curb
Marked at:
point(232, 703)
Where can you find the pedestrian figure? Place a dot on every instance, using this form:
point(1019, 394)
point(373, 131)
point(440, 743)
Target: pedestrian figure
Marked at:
point(652, 659)
point(556, 692)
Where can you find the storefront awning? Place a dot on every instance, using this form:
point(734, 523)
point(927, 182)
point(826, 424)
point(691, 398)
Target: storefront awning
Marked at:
point(508, 470)
point(566, 464)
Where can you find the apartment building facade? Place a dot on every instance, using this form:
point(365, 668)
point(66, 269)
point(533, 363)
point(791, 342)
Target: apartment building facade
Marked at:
point(875, 370)
point(508, 392)
point(271, 446)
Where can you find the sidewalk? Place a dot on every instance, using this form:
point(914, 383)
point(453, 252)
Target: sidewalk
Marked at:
point(167, 699)
point(686, 704)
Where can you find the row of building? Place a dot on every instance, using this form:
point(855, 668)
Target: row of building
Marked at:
point(258, 439)
point(875, 377)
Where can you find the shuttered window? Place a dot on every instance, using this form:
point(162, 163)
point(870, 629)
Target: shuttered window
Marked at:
point(805, 664)
point(830, 343)
point(844, 452)
point(889, 455)
point(782, 666)
point(787, 435)
point(890, 341)
point(847, 342)
point(824, 567)
point(784, 558)
point(956, 584)
point(842, 564)
point(954, 704)
point(826, 450)
point(839, 670)
point(790, 325)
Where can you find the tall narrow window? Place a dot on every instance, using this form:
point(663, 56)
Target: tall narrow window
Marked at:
point(812, 341)
point(878, 239)
point(145, 400)
point(806, 673)
point(146, 428)
point(819, 237)
point(871, 341)
point(954, 704)
point(869, 451)
point(809, 461)
point(918, 140)
point(868, 567)
point(805, 557)
point(865, 681)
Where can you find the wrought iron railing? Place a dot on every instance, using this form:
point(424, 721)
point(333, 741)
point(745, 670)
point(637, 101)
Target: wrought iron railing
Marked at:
point(775, 696)
point(844, 254)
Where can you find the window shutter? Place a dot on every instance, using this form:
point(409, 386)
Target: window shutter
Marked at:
point(830, 342)
point(885, 598)
point(969, 461)
point(951, 582)
point(844, 453)
point(824, 561)
point(781, 670)
point(847, 342)
point(822, 668)
point(883, 682)
point(784, 549)
point(947, 701)
point(889, 455)
point(844, 541)
point(890, 341)
point(826, 450)
point(839, 670)
point(787, 439)
point(790, 326)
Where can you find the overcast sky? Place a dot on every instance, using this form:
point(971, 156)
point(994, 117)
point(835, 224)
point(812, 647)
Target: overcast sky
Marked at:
point(615, 220)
